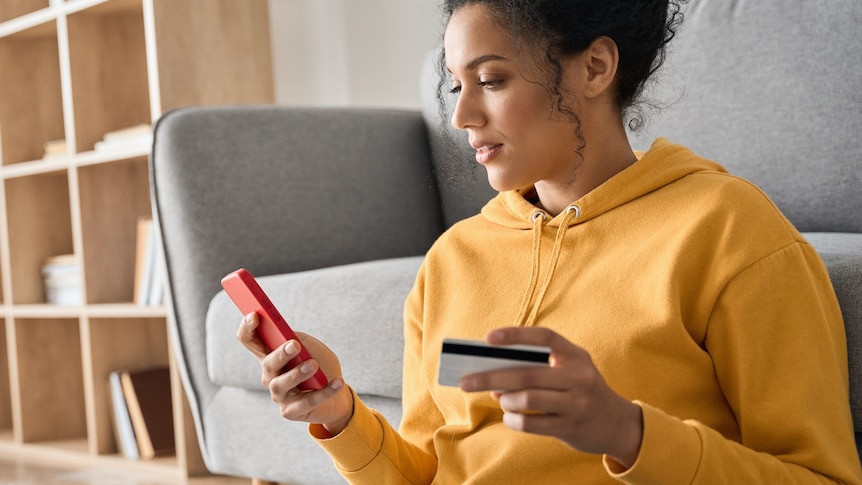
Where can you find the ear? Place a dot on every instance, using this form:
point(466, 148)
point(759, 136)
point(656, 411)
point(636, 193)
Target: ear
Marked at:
point(601, 60)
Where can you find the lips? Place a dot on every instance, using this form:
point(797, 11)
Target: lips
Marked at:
point(486, 153)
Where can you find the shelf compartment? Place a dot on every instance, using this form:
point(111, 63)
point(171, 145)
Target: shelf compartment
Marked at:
point(10, 9)
point(40, 226)
point(73, 455)
point(75, 71)
point(113, 197)
point(108, 63)
point(115, 344)
point(32, 110)
point(230, 42)
point(49, 385)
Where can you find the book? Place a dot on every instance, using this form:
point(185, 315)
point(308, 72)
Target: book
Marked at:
point(55, 148)
point(149, 286)
point(148, 397)
point(136, 136)
point(129, 133)
point(144, 260)
point(159, 280)
point(61, 276)
point(123, 430)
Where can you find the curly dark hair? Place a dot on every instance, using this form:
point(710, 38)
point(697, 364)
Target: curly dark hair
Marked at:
point(641, 30)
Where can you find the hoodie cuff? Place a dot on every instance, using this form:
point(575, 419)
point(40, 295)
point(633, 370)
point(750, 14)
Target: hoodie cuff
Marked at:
point(670, 452)
point(358, 444)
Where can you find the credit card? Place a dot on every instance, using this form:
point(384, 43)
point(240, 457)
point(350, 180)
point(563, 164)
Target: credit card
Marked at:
point(462, 357)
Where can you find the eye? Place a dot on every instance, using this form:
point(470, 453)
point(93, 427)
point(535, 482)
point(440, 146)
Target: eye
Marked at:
point(456, 88)
point(492, 84)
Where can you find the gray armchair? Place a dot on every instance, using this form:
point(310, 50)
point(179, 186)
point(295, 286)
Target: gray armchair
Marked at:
point(334, 208)
point(340, 205)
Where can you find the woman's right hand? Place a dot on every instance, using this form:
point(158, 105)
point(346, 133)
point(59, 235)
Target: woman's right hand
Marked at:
point(331, 406)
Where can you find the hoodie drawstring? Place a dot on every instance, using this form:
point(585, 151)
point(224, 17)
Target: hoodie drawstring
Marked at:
point(572, 213)
point(538, 220)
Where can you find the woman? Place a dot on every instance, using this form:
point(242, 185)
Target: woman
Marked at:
point(694, 334)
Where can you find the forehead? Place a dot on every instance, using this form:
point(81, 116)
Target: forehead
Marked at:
point(473, 32)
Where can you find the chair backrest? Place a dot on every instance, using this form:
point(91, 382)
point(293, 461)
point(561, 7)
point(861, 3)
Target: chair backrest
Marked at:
point(280, 190)
point(772, 90)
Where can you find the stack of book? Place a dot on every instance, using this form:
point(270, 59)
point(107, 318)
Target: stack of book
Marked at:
point(62, 279)
point(133, 137)
point(149, 270)
point(55, 149)
point(143, 412)
point(137, 137)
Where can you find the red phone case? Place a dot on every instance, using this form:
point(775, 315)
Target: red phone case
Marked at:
point(249, 297)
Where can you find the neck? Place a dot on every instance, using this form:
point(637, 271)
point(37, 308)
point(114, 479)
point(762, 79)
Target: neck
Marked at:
point(603, 157)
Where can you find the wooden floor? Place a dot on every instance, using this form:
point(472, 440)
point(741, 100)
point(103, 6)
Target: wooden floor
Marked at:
point(17, 472)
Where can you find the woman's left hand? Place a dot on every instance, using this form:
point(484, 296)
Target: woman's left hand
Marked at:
point(568, 400)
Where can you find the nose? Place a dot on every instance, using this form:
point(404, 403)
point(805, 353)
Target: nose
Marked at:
point(467, 112)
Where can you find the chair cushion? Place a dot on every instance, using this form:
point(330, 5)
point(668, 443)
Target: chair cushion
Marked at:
point(248, 438)
point(356, 310)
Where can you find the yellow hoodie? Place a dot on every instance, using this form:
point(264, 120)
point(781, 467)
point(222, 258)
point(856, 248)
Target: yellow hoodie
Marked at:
point(696, 299)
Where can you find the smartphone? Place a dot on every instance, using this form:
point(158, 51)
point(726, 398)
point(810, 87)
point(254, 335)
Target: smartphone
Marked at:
point(461, 357)
point(272, 329)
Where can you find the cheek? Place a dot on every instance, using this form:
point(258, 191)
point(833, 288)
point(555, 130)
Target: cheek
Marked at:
point(529, 111)
point(518, 120)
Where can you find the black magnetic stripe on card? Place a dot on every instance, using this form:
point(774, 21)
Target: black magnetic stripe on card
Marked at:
point(496, 352)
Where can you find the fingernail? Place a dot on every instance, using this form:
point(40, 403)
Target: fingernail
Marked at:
point(336, 384)
point(494, 336)
point(291, 347)
point(248, 318)
point(468, 384)
point(306, 368)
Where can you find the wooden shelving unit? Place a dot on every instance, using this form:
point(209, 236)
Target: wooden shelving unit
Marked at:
point(76, 70)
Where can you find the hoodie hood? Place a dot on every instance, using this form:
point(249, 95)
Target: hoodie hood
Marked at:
point(662, 164)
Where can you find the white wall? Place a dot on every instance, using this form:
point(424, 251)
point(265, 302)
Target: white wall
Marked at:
point(351, 52)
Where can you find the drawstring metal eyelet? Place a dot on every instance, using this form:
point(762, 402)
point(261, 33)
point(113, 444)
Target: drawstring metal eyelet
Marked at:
point(575, 209)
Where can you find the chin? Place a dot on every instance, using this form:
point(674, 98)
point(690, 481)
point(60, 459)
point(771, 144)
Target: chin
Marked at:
point(499, 186)
point(501, 183)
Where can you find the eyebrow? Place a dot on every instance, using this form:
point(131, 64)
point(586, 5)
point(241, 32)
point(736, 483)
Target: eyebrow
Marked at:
point(472, 65)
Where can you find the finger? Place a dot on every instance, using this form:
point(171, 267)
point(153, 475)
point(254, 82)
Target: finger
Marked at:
point(561, 348)
point(526, 336)
point(538, 411)
point(515, 379)
point(287, 383)
point(274, 363)
point(247, 335)
point(299, 406)
point(536, 423)
point(284, 383)
point(534, 401)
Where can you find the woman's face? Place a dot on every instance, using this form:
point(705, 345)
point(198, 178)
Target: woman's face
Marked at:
point(502, 104)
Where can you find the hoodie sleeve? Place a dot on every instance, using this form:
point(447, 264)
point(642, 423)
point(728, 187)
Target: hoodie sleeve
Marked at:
point(370, 451)
point(778, 346)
